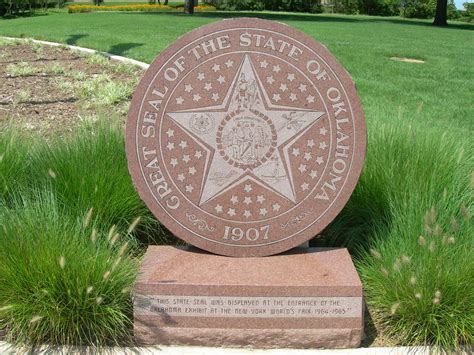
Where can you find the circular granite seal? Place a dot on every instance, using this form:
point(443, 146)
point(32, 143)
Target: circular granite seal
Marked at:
point(245, 137)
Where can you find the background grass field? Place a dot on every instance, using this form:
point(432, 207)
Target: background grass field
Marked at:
point(408, 224)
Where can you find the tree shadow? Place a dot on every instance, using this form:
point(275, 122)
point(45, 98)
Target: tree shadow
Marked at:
point(24, 14)
point(122, 48)
point(276, 16)
point(72, 39)
point(370, 330)
point(366, 215)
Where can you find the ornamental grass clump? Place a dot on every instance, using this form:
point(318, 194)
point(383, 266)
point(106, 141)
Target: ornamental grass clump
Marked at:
point(415, 248)
point(90, 171)
point(57, 286)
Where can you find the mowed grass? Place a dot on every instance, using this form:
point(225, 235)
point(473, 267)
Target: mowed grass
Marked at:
point(362, 44)
point(408, 224)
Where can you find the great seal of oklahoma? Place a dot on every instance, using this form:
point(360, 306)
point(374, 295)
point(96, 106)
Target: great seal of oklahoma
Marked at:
point(245, 137)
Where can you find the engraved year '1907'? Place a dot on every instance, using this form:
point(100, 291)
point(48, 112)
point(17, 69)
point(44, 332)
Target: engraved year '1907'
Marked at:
point(251, 234)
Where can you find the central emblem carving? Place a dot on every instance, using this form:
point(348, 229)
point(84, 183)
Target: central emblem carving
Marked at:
point(246, 139)
point(250, 132)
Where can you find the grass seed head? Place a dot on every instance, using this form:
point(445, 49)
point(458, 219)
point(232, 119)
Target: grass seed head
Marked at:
point(444, 241)
point(437, 229)
point(87, 218)
point(114, 239)
point(413, 280)
point(436, 300)
point(116, 263)
point(451, 240)
point(126, 290)
point(406, 259)
point(375, 254)
point(111, 232)
point(133, 225)
point(397, 265)
point(454, 224)
point(52, 174)
point(418, 296)
point(394, 308)
point(99, 300)
point(384, 271)
point(123, 249)
point(62, 262)
point(430, 216)
point(428, 230)
point(6, 308)
point(106, 275)
point(93, 236)
point(421, 241)
point(432, 246)
point(464, 212)
point(89, 289)
point(35, 319)
point(438, 294)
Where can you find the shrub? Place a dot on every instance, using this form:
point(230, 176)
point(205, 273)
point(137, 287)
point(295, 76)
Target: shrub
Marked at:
point(419, 8)
point(131, 7)
point(15, 7)
point(375, 7)
point(469, 10)
point(313, 6)
point(348, 7)
point(60, 282)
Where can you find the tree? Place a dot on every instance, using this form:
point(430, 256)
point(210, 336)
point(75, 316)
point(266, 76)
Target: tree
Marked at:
point(441, 14)
point(189, 7)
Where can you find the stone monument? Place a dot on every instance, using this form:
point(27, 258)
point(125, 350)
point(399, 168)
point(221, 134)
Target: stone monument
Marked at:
point(246, 138)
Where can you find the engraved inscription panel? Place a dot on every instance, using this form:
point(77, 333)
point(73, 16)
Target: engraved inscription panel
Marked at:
point(249, 307)
point(245, 137)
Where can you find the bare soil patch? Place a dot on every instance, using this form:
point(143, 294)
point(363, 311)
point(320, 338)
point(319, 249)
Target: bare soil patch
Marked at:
point(407, 60)
point(50, 90)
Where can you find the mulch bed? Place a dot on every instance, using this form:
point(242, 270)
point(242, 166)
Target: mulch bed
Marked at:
point(36, 102)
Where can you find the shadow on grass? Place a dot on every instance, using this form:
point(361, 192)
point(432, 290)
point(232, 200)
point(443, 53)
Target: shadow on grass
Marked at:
point(276, 16)
point(24, 14)
point(366, 215)
point(72, 39)
point(122, 48)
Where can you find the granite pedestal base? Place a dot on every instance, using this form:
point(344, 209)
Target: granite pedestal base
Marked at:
point(304, 298)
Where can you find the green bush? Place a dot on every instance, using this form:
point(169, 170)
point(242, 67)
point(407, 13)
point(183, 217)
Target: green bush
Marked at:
point(61, 282)
point(375, 7)
point(419, 8)
point(469, 10)
point(15, 7)
point(313, 6)
point(348, 7)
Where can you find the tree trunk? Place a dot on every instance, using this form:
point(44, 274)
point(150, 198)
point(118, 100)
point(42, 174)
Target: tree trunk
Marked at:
point(189, 7)
point(441, 13)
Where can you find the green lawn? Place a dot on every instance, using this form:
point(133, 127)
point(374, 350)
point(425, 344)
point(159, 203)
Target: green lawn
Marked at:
point(362, 44)
point(408, 224)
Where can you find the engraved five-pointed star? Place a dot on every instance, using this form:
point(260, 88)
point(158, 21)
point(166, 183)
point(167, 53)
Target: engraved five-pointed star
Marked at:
point(273, 174)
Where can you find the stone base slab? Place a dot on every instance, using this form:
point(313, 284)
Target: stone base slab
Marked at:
point(305, 298)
